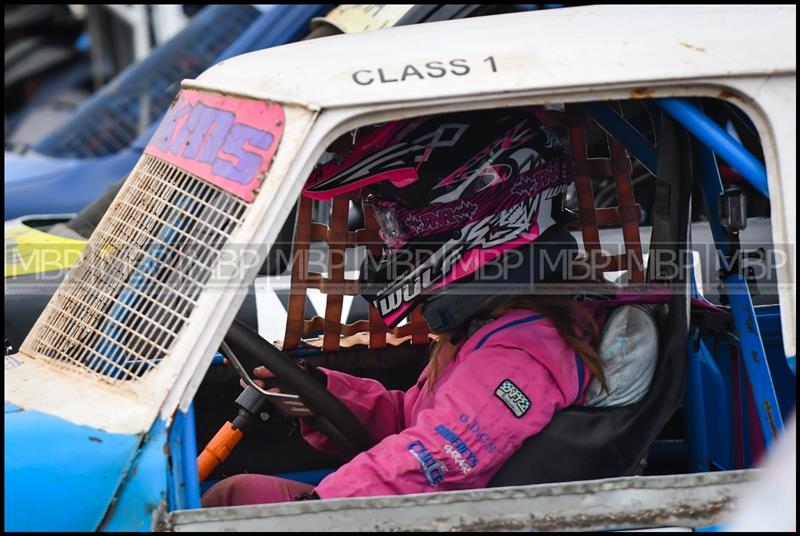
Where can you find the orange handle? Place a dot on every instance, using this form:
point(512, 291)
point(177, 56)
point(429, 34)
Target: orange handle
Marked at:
point(218, 449)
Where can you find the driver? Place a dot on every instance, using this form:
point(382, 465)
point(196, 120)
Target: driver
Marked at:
point(468, 205)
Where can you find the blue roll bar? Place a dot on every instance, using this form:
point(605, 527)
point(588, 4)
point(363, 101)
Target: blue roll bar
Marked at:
point(191, 477)
point(751, 345)
point(184, 480)
point(719, 141)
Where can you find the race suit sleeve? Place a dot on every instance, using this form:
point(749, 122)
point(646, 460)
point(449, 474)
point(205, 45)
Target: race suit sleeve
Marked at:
point(496, 398)
point(379, 409)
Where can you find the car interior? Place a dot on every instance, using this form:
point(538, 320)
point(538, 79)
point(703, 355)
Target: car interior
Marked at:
point(615, 190)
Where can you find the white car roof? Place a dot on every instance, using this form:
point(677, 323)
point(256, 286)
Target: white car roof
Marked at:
point(550, 49)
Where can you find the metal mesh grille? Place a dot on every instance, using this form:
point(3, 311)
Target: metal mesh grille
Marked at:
point(123, 305)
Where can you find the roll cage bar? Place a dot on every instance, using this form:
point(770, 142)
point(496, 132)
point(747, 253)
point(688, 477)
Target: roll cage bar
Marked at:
point(714, 141)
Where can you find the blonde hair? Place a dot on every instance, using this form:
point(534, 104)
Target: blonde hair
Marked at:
point(562, 312)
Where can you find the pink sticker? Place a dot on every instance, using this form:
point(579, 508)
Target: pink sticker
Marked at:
point(227, 141)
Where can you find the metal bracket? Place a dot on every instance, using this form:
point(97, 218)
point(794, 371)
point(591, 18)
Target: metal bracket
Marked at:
point(289, 404)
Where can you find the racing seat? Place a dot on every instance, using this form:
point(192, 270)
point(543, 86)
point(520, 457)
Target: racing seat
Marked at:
point(612, 441)
point(584, 443)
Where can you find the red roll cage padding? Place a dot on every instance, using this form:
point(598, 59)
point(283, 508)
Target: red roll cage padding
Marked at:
point(627, 213)
point(373, 332)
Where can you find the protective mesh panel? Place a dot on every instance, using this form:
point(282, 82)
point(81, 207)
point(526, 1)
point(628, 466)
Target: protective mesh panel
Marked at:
point(123, 305)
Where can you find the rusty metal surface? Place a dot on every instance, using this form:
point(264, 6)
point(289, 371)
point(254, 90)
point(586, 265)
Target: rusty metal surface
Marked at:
point(693, 500)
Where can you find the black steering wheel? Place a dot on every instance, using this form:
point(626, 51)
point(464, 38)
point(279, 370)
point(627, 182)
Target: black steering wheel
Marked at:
point(331, 416)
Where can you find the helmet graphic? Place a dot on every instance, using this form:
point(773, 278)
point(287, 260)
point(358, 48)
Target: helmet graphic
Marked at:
point(450, 192)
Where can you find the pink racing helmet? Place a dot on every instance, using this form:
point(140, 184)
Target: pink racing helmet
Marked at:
point(451, 193)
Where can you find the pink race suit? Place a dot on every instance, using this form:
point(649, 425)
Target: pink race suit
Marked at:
point(503, 386)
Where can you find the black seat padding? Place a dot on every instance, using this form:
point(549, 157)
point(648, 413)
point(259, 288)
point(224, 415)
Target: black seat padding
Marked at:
point(585, 443)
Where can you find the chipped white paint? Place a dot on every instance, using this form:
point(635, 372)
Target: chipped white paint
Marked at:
point(262, 223)
point(44, 385)
point(591, 46)
point(695, 500)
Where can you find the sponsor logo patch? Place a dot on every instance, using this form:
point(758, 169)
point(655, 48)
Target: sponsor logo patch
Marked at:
point(513, 397)
point(433, 469)
point(459, 452)
point(227, 141)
